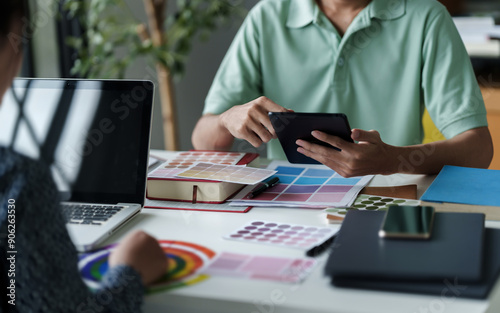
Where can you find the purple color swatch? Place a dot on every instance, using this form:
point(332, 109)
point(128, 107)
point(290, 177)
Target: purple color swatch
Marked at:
point(302, 189)
point(284, 235)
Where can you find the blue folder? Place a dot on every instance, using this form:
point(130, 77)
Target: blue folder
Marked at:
point(465, 185)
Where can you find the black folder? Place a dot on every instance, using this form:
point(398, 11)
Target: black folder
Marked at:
point(467, 269)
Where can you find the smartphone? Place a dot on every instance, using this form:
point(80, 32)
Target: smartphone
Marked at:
point(290, 126)
point(408, 222)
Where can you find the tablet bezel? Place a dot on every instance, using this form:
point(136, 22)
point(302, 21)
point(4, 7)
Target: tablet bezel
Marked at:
point(290, 126)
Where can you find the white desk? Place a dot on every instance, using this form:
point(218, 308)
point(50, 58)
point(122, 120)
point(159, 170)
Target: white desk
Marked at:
point(315, 294)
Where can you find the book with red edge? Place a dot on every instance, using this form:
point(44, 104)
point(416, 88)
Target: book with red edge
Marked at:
point(196, 190)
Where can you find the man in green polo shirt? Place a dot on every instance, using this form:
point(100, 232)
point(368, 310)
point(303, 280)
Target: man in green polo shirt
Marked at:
point(381, 62)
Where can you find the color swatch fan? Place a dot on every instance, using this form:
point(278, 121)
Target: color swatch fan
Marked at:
point(185, 260)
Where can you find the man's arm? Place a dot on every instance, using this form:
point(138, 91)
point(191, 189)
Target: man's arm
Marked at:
point(209, 134)
point(248, 121)
point(370, 155)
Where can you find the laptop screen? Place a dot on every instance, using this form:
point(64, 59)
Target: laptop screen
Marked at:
point(94, 135)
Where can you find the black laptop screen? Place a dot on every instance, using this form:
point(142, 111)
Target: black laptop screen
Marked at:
point(93, 134)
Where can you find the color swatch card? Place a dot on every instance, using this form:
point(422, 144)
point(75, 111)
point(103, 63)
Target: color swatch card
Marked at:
point(282, 234)
point(226, 173)
point(368, 203)
point(307, 186)
point(286, 270)
point(185, 261)
point(184, 159)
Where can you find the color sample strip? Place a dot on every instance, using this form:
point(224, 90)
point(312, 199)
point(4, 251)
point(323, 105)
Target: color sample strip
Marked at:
point(307, 186)
point(185, 260)
point(227, 173)
point(184, 159)
point(286, 270)
point(367, 203)
point(282, 234)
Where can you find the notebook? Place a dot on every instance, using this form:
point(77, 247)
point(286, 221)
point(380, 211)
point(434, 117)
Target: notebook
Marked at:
point(445, 288)
point(454, 251)
point(95, 136)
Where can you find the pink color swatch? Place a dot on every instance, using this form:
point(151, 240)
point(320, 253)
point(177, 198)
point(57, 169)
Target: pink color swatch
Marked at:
point(285, 270)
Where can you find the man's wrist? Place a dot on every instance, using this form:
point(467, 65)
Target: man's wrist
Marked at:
point(396, 156)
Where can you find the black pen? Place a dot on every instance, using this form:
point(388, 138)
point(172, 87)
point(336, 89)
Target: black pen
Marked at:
point(265, 185)
point(317, 250)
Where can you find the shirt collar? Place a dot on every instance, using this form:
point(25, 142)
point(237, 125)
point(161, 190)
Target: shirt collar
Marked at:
point(301, 13)
point(387, 9)
point(304, 12)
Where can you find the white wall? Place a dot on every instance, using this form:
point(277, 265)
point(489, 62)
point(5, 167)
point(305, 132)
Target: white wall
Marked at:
point(191, 90)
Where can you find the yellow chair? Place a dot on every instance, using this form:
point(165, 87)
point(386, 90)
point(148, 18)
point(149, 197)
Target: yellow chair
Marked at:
point(431, 133)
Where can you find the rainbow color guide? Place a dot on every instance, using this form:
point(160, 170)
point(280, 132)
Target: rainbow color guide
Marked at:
point(185, 260)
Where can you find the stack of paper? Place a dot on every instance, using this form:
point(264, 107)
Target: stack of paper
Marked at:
point(315, 186)
point(479, 34)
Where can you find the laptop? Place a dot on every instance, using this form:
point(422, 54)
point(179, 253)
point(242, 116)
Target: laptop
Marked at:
point(94, 135)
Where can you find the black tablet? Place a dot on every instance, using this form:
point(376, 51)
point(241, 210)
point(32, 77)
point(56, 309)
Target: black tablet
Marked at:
point(290, 126)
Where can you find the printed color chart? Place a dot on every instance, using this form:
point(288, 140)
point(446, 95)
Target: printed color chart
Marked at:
point(285, 270)
point(184, 160)
point(227, 173)
point(282, 234)
point(306, 186)
point(367, 203)
point(184, 261)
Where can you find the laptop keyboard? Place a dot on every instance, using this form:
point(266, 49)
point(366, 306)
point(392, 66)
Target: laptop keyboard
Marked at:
point(89, 214)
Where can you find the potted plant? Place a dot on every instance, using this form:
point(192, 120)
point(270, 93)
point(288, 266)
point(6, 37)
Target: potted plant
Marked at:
point(114, 39)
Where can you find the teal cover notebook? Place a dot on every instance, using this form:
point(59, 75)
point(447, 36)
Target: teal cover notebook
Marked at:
point(465, 185)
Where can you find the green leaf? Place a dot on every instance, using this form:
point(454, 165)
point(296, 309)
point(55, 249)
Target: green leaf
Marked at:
point(111, 33)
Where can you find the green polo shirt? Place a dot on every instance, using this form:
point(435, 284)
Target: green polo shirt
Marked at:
point(396, 58)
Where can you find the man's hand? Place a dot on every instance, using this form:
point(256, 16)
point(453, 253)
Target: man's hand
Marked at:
point(250, 121)
point(369, 156)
